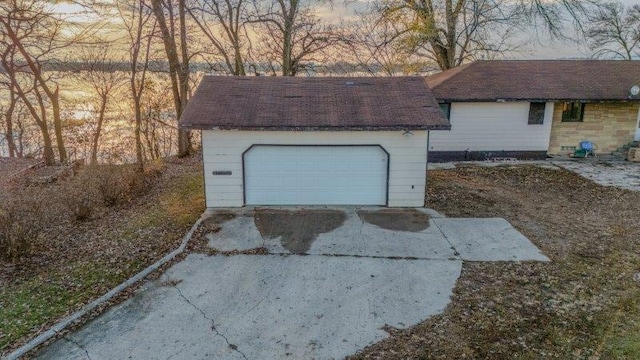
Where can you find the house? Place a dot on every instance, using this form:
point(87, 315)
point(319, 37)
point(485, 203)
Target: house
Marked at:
point(314, 141)
point(531, 109)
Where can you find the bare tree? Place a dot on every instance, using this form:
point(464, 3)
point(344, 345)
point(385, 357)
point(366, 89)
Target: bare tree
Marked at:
point(450, 32)
point(373, 45)
point(224, 23)
point(555, 15)
point(157, 130)
point(102, 76)
point(140, 25)
point(614, 31)
point(39, 35)
point(12, 98)
point(22, 139)
point(24, 87)
point(291, 34)
point(14, 118)
point(167, 13)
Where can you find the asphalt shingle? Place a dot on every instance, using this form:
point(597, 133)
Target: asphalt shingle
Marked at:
point(538, 80)
point(313, 103)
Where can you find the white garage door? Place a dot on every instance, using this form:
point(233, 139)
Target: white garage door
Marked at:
point(315, 175)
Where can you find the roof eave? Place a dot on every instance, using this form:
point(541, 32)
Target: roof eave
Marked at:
point(446, 126)
point(451, 100)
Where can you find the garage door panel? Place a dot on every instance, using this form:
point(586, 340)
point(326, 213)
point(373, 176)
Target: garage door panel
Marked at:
point(316, 175)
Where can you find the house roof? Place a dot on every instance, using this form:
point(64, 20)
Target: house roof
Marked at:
point(313, 103)
point(542, 80)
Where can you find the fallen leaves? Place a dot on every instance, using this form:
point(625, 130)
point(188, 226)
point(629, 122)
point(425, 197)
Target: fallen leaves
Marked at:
point(564, 309)
point(79, 261)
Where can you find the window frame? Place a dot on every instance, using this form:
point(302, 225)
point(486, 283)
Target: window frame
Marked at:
point(447, 113)
point(570, 107)
point(539, 112)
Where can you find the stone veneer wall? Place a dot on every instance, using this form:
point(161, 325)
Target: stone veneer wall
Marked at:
point(607, 125)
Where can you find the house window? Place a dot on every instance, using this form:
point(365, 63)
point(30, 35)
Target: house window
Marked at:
point(573, 112)
point(536, 113)
point(446, 109)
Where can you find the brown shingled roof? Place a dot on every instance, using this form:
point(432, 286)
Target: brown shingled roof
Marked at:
point(542, 80)
point(313, 103)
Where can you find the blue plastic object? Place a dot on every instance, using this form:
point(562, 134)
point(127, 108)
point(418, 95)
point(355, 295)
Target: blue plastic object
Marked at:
point(587, 146)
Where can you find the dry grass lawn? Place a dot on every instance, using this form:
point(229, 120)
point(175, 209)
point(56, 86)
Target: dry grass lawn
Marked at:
point(74, 262)
point(584, 304)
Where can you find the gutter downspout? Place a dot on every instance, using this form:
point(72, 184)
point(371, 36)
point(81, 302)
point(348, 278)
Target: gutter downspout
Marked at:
point(637, 136)
point(426, 178)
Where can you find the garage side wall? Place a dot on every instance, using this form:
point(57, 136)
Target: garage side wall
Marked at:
point(492, 127)
point(222, 153)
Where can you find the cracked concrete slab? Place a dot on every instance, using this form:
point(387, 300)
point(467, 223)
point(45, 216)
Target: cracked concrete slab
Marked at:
point(260, 307)
point(446, 238)
point(625, 175)
point(491, 239)
point(239, 233)
point(355, 277)
point(354, 237)
point(297, 230)
point(357, 237)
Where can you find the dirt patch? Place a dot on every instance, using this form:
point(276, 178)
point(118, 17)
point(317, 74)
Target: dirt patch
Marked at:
point(298, 229)
point(410, 220)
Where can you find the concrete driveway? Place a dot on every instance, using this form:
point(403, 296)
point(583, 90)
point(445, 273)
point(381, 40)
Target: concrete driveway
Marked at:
point(622, 174)
point(333, 280)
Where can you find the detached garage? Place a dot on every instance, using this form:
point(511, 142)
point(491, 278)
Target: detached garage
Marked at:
point(314, 141)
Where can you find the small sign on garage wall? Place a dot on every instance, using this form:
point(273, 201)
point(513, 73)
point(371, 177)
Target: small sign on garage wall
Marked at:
point(221, 172)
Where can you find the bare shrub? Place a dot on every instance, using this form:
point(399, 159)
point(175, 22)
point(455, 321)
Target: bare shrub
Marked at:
point(82, 209)
point(115, 184)
point(80, 199)
point(21, 225)
point(106, 185)
point(27, 210)
point(155, 168)
point(80, 194)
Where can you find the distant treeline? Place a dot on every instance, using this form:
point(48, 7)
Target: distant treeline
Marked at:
point(310, 69)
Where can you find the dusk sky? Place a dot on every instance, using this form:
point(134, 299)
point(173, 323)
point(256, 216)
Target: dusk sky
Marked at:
point(538, 47)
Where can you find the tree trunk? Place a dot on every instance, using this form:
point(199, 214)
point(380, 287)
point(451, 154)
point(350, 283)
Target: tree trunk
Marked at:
point(20, 144)
point(239, 64)
point(96, 136)
point(9, 125)
point(183, 75)
point(178, 72)
point(57, 125)
point(49, 156)
point(290, 15)
point(53, 96)
point(137, 135)
point(286, 51)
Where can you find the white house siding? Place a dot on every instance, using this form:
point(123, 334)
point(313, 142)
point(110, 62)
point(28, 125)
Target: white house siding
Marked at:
point(637, 137)
point(493, 126)
point(222, 151)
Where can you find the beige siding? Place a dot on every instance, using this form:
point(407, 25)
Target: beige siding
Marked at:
point(608, 125)
point(493, 127)
point(222, 151)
